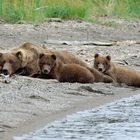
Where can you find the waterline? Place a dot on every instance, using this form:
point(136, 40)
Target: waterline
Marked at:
point(117, 120)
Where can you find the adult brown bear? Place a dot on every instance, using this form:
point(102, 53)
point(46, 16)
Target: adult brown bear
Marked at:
point(23, 57)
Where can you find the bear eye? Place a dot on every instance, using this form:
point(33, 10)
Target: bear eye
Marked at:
point(11, 61)
point(43, 63)
point(106, 63)
point(3, 61)
point(97, 63)
point(48, 64)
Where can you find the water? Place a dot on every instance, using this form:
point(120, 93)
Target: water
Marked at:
point(115, 121)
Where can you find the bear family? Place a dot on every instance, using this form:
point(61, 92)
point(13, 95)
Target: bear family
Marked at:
point(118, 73)
point(23, 59)
point(50, 63)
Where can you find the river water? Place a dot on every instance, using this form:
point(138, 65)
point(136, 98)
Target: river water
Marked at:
point(114, 121)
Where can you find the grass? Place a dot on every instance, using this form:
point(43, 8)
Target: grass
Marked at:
point(39, 10)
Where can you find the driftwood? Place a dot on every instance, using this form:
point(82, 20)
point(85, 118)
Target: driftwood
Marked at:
point(127, 42)
point(95, 43)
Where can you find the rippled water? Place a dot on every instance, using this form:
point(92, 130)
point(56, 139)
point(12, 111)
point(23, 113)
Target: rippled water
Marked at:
point(114, 121)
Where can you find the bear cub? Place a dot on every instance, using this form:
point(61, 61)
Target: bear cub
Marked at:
point(49, 62)
point(118, 73)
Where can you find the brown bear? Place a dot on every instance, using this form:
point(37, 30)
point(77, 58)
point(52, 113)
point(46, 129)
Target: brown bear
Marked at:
point(50, 63)
point(26, 56)
point(119, 73)
point(66, 58)
point(23, 57)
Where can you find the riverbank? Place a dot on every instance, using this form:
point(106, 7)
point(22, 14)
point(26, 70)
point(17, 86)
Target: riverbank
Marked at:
point(27, 104)
point(112, 120)
point(68, 104)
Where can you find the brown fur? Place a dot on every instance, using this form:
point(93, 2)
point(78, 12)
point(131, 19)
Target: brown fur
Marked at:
point(120, 74)
point(27, 55)
point(100, 77)
point(66, 58)
point(9, 63)
point(69, 58)
point(49, 62)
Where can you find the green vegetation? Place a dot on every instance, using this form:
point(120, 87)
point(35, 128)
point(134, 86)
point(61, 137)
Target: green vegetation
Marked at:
point(38, 10)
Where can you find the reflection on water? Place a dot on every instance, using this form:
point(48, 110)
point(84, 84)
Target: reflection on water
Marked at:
point(117, 121)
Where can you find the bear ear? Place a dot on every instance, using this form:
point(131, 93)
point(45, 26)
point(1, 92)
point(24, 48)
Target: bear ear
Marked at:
point(41, 55)
point(96, 55)
point(108, 57)
point(53, 56)
point(1, 54)
point(19, 54)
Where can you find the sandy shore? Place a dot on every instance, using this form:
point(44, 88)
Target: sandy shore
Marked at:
point(27, 104)
point(30, 108)
point(40, 120)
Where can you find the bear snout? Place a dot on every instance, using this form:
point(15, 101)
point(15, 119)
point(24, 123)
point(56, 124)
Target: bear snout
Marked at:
point(5, 72)
point(100, 69)
point(7, 69)
point(46, 69)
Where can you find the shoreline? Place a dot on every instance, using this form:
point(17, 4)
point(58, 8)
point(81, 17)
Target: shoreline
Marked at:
point(42, 120)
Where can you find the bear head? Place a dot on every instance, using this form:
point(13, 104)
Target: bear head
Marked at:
point(9, 63)
point(47, 61)
point(102, 63)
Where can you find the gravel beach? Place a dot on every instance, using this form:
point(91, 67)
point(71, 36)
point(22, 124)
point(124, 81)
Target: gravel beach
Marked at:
point(29, 103)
